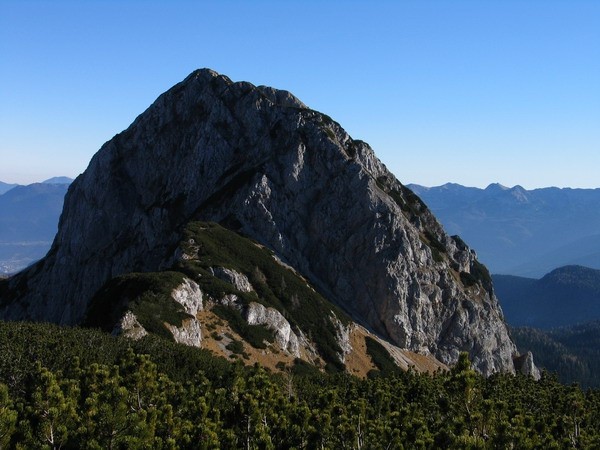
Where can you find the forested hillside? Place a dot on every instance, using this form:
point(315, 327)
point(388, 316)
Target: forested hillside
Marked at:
point(573, 353)
point(78, 388)
point(556, 318)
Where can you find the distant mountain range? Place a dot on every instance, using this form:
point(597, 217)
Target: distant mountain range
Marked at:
point(58, 180)
point(521, 232)
point(4, 187)
point(28, 221)
point(566, 296)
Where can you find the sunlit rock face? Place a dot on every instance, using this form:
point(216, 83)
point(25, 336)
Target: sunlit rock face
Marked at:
point(130, 327)
point(257, 314)
point(189, 295)
point(260, 162)
point(189, 333)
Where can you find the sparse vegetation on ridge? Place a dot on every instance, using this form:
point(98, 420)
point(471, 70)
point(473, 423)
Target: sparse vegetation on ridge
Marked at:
point(381, 357)
point(147, 295)
point(275, 286)
point(209, 245)
point(411, 205)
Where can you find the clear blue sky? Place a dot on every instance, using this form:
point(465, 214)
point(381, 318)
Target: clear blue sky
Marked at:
point(471, 92)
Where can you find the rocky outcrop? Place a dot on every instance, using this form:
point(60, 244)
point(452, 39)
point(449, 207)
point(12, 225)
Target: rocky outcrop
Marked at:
point(259, 161)
point(129, 327)
point(342, 334)
point(189, 333)
point(257, 314)
point(524, 364)
point(231, 301)
point(188, 295)
point(238, 280)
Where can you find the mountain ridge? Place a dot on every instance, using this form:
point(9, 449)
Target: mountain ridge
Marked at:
point(4, 187)
point(518, 231)
point(259, 162)
point(567, 296)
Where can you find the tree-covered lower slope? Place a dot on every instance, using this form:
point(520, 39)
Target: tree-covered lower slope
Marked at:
point(573, 353)
point(556, 318)
point(77, 388)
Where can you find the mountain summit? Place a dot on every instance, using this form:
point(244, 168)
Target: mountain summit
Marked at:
point(259, 162)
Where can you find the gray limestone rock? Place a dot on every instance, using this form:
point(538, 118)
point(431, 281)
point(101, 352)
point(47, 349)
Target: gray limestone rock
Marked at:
point(260, 162)
point(257, 314)
point(232, 301)
point(524, 364)
point(238, 280)
point(189, 333)
point(129, 327)
point(188, 295)
point(342, 333)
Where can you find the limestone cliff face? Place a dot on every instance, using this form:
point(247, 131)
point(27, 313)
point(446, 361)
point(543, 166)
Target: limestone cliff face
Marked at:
point(259, 161)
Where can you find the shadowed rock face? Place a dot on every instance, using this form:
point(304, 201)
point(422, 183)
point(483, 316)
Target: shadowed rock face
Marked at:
point(260, 162)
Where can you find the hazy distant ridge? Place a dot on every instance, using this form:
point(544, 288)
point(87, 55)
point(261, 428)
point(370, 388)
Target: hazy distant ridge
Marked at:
point(518, 231)
point(4, 187)
point(566, 296)
point(28, 221)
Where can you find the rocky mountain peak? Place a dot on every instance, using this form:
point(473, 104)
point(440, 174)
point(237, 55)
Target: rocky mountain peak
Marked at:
point(259, 162)
point(496, 187)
